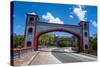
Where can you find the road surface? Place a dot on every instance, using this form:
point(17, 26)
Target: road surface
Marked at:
point(59, 55)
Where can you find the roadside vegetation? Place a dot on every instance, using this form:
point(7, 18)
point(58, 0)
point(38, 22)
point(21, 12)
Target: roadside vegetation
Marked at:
point(18, 41)
point(93, 45)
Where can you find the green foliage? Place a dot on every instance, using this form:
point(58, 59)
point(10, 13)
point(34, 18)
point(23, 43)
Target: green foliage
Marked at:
point(18, 40)
point(47, 39)
point(93, 43)
point(65, 44)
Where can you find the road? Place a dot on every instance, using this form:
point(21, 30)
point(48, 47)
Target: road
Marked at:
point(60, 55)
point(71, 56)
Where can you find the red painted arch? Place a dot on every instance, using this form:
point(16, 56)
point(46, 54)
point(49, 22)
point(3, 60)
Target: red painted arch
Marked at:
point(51, 30)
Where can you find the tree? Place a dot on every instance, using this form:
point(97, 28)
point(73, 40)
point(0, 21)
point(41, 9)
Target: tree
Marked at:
point(47, 39)
point(65, 44)
point(18, 40)
point(93, 43)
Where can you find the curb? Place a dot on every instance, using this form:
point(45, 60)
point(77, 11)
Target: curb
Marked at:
point(29, 62)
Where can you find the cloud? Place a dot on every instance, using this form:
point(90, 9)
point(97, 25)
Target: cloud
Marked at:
point(33, 13)
point(71, 16)
point(51, 19)
point(80, 13)
point(94, 23)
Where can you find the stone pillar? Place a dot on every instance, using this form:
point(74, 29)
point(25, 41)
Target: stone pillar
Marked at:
point(30, 30)
point(85, 35)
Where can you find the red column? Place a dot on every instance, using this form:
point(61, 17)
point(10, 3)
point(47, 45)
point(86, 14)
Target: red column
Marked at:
point(35, 45)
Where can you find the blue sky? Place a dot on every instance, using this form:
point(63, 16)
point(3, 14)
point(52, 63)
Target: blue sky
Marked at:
point(60, 13)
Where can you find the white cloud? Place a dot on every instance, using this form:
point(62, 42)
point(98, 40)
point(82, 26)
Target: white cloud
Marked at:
point(71, 16)
point(51, 19)
point(80, 13)
point(33, 13)
point(94, 23)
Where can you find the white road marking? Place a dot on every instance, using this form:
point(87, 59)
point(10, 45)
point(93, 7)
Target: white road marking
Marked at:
point(54, 58)
point(68, 50)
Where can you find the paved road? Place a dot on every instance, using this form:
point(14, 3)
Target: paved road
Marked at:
point(59, 55)
point(68, 56)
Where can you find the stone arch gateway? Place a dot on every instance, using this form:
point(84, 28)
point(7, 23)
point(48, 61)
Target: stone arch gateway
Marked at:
point(34, 28)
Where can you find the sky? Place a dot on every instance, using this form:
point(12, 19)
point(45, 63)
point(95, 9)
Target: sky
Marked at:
point(55, 13)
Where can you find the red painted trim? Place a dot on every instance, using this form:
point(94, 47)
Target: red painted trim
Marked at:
point(34, 45)
point(35, 38)
point(54, 29)
point(57, 29)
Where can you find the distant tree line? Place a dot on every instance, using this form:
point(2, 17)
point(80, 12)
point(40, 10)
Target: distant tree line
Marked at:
point(64, 44)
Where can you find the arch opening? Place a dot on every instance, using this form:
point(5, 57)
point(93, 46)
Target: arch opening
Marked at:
point(59, 30)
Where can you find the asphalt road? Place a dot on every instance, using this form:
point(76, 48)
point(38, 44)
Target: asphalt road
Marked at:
point(68, 56)
point(59, 55)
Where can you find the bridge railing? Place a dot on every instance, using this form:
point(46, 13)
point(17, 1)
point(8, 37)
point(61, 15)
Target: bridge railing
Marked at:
point(19, 52)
